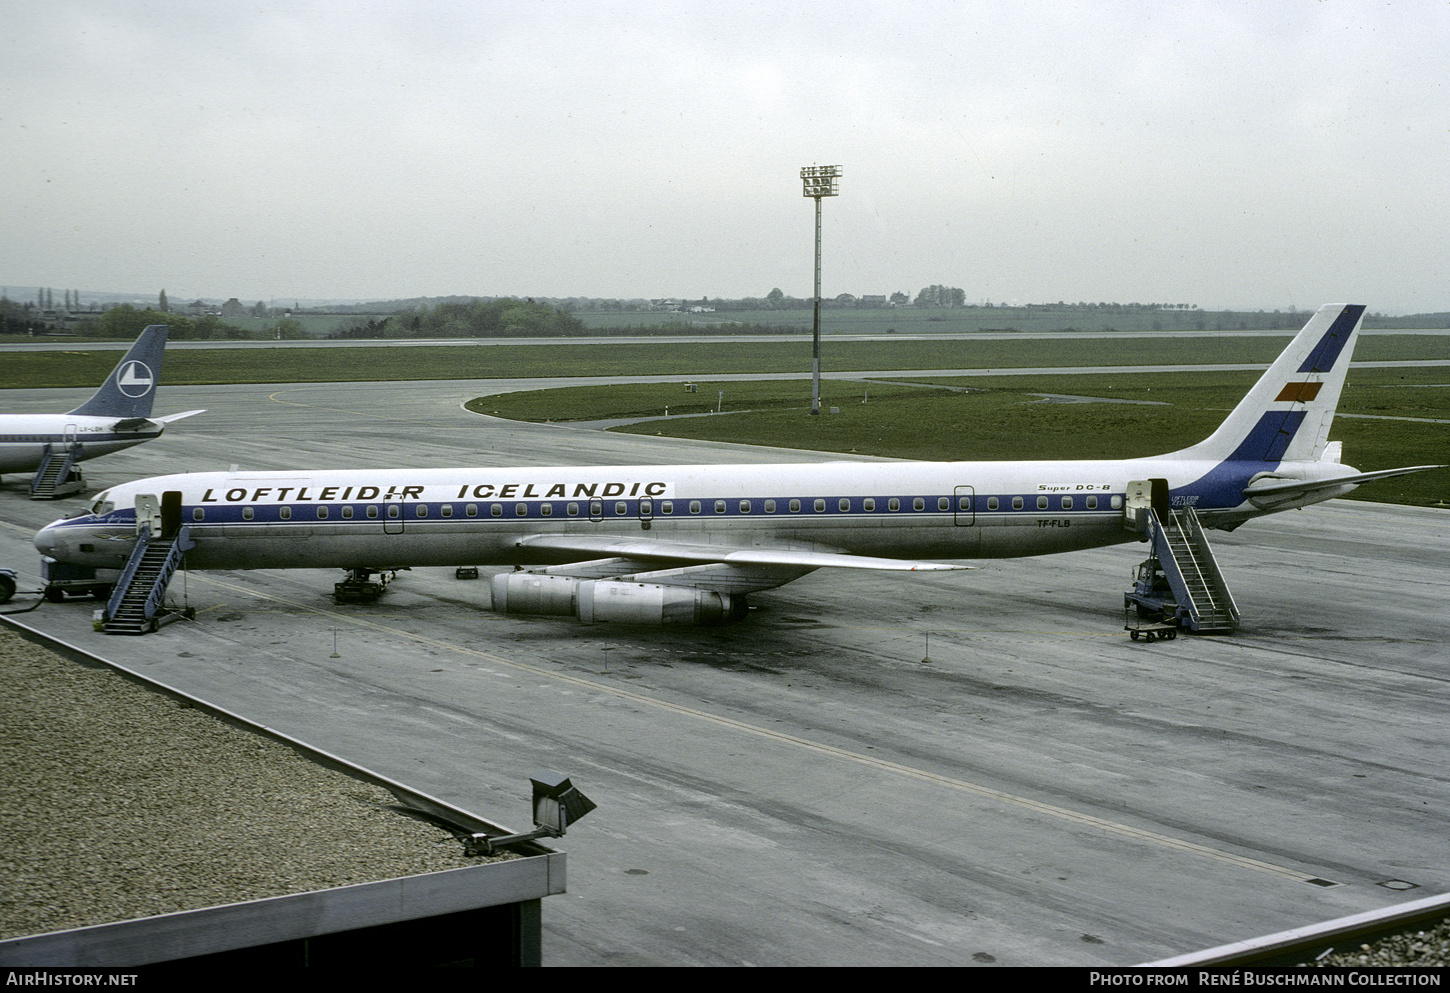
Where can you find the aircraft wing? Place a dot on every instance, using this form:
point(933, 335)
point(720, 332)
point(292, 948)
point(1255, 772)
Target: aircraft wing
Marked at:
point(674, 551)
point(140, 423)
point(1279, 489)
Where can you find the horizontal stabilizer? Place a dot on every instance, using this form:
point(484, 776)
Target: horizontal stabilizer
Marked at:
point(142, 423)
point(176, 417)
point(681, 552)
point(1281, 489)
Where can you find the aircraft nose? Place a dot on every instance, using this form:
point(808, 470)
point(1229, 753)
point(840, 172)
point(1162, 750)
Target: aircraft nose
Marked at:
point(47, 540)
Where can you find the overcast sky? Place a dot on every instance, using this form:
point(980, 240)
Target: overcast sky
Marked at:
point(1225, 154)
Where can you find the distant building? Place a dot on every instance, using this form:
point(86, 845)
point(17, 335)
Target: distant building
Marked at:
point(233, 308)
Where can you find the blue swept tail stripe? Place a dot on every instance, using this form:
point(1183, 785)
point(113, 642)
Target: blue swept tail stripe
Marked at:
point(1324, 354)
point(1270, 438)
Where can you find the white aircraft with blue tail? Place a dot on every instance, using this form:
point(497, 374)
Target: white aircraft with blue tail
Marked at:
point(118, 416)
point(687, 544)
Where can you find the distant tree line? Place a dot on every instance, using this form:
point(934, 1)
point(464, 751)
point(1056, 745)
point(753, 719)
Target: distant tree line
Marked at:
point(498, 318)
point(941, 296)
point(126, 322)
point(461, 317)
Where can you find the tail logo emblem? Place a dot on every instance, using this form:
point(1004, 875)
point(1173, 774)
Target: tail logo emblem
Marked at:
point(135, 379)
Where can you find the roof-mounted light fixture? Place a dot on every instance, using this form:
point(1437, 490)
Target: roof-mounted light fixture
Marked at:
point(557, 804)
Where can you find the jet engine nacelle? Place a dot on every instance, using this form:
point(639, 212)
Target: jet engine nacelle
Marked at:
point(602, 601)
point(598, 601)
point(529, 593)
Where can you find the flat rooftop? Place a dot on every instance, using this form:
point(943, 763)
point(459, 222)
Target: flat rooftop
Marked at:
point(120, 801)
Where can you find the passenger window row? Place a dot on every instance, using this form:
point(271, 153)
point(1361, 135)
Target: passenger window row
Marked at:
point(666, 508)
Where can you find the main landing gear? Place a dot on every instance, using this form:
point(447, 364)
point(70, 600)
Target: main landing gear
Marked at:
point(361, 587)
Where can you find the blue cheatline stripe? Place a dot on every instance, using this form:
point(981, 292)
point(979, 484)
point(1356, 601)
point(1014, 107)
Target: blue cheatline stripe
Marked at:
point(80, 439)
point(1326, 352)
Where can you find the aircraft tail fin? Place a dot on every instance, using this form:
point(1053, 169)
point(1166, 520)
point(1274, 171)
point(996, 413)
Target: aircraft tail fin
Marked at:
point(130, 389)
point(1287, 415)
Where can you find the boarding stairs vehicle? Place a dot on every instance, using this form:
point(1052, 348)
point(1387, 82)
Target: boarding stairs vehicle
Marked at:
point(57, 475)
point(137, 604)
point(1179, 586)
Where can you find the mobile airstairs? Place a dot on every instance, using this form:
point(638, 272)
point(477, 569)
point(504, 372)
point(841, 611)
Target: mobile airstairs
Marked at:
point(1179, 587)
point(137, 603)
point(57, 475)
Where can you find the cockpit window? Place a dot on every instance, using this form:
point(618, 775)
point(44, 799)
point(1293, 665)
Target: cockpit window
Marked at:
point(103, 505)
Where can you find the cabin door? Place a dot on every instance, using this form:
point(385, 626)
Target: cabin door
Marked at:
point(965, 510)
point(1145, 494)
point(170, 513)
point(393, 516)
point(148, 514)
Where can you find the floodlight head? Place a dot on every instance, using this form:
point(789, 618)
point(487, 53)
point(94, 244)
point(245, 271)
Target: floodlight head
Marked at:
point(820, 181)
point(557, 804)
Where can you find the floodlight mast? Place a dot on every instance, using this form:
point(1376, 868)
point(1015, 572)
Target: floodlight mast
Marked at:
point(817, 182)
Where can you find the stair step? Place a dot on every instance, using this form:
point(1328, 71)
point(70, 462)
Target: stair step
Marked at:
point(151, 570)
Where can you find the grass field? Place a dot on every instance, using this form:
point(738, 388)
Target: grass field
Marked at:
point(912, 320)
point(1006, 418)
point(79, 367)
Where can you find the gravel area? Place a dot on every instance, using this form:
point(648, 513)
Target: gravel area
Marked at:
point(1425, 948)
point(119, 802)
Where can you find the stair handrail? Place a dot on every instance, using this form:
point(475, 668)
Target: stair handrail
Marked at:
point(123, 582)
point(163, 578)
point(1163, 549)
point(1181, 519)
point(35, 480)
point(48, 455)
point(1215, 575)
point(181, 544)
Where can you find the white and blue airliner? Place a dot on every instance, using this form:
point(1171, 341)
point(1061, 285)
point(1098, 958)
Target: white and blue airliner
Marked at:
point(687, 543)
point(118, 415)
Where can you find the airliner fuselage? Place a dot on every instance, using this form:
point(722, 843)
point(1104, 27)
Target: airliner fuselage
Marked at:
point(432, 517)
point(23, 437)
